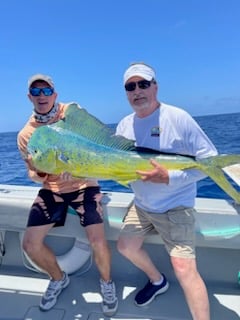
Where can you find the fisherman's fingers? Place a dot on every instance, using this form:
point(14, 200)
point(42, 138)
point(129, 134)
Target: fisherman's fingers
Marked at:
point(156, 176)
point(160, 173)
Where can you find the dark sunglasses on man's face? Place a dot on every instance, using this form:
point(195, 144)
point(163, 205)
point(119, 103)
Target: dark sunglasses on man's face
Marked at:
point(142, 84)
point(37, 91)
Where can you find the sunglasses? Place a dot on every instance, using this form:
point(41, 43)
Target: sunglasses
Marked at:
point(142, 84)
point(37, 91)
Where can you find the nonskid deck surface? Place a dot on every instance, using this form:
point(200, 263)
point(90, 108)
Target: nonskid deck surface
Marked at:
point(82, 301)
point(21, 288)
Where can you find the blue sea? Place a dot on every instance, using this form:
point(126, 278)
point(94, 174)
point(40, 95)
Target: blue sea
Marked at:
point(222, 129)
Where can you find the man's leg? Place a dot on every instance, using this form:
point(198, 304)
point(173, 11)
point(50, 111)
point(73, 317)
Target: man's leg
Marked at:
point(193, 286)
point(102, 257)
point(131, 248)
point(39, 253)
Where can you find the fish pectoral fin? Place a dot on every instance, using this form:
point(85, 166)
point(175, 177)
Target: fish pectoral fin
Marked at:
point(217, 175)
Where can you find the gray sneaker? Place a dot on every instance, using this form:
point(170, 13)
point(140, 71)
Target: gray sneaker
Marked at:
point(110, 300)
point(54, 289)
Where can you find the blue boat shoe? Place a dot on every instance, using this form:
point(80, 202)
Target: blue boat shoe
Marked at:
point(150, 291)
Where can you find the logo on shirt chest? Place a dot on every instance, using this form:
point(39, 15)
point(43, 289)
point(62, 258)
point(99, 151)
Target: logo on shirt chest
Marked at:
point(155, 131)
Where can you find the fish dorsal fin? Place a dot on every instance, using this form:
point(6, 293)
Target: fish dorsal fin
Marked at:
point(79, 121)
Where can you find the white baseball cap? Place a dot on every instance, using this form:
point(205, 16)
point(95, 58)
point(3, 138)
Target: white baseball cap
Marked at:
point(41, 77)
point(139, 69)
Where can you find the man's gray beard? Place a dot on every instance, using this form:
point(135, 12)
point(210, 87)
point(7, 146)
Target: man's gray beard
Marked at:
point(141, 107)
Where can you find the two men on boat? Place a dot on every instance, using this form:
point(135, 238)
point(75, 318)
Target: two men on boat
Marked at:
point(163, 200)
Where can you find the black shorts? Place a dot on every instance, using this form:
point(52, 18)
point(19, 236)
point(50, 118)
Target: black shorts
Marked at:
point(51, 207)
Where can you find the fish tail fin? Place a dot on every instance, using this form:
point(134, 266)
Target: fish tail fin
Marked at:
point(217, 175)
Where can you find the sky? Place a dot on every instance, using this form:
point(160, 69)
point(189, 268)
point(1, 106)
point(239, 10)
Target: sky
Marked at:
point(85, 46)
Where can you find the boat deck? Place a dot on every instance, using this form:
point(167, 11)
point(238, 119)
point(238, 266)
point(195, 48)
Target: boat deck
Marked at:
point(21, 287)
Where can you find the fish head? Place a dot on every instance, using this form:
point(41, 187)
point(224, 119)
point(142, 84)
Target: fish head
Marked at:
point(44, 161)
point(42, 150)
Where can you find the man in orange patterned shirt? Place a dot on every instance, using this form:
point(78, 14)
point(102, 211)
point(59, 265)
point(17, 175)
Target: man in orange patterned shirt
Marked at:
point(50, 206)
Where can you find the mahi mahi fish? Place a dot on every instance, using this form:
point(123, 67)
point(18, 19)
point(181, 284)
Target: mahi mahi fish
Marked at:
point(85, 147)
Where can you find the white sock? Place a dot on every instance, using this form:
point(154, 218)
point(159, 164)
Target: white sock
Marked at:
point(158, 283)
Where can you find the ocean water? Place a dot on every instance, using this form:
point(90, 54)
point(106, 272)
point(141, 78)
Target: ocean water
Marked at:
point(222, 129)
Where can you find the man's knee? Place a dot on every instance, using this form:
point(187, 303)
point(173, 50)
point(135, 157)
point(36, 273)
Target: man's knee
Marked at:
point(27, 244)
point(31, 244)
point(183, 266)
point(122, 247)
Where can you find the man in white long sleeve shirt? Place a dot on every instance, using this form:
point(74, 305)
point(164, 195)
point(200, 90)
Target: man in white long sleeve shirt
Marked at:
point(164, 200)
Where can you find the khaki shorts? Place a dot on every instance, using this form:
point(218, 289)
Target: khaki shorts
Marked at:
point(176, 228)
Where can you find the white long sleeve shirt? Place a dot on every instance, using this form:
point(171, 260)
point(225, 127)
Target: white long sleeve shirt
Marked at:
point(172, 130)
